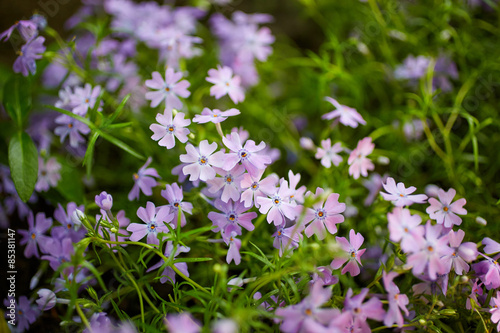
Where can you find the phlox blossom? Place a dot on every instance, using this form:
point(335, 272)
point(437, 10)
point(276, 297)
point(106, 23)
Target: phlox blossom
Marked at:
point(249, 154)
point(215, 116)
point(144, 180)
point(324, 216)
point(352, 253)
point(167, 129)
point(462, 253)
point(401, 196)
point(359, 163)
point(199, 161)
point(167, 89)
point(444, 211)
point(287, 238)
point(225, 84)
point(347, 115)
point(255, 187)
point(232, 218)
point(329, 154)
point(276, 207)
point(153, 223)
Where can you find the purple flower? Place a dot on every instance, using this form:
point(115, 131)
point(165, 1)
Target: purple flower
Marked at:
point(296, 317)
point(324, 274)
point(229, 183)
point(154, 223)
point(225, 84)
point(199, 161)
point(276, 207)
point(47, 299)
point(402, 226)
point(296, 194)
point(287, 239)
point(24, 312)
point(215, 116)
point(427, 252)
point(476, 290)
point(68, 228)
point(399, 195)
point(168, 273)
point(462, 253)
point(347, 116)
point(324, 216)
point(248, 155)
point(144, 180)
point(60, 252)
point(27, 29)
point(490, 246)
point(360, 311)
point(84, 99)
point(167, 89)
point(35, 235)
point(168, 129)
point(255, 187)
point(225, 326)
point(358, 161)
point(104, 200)
point(374, 185)
point(328, 154)
point(412, 68)
point(233, 253)
point(29, 53)
point(174, 195)
point(396, 300)
point(48, 174)
point(233, 217)
point(443, 211)
point(72, 127)
point(182, 323)
point(488, 271)
point(352, 253)
point(495, 310)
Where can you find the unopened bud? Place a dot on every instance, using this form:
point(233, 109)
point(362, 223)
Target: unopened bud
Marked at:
point(422, 321)
point(464, 279)
point(113, 230)
point(480, 220)
point(77, 217)
point(191, 136)
point(384, 160)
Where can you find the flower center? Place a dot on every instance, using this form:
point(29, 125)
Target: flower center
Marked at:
point(171, 128)
point(357, 310)
point(202, 160)
point(167, 89)
point(402, 195)
point(232, 217)
point(308, 312)
point(279, 232)
point(445, 208)
point(229, 180)
point(136, 176)
point(277, 201)
point(70, 125)
point(86, 100)
point(243, 154)
point(227, 84)
point(44, 173)
point(68, 226)
point(406, 230)
point(33, 236)
point(214, 115)
point(430, 248)
point(353, 254)
point(255, 186)
point(152, 227)
point(176, 204)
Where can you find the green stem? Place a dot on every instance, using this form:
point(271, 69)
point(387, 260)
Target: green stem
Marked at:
point(82, 315)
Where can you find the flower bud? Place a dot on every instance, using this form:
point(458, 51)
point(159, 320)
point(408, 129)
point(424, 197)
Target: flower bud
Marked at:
point(480, 220)
point(104, 200)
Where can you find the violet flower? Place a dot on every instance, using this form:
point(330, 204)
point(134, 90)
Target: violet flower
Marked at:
point(324, 216)
point(174, 195)
point(412, 68)
point(167, 89)
point(144, 180)
point(347, 115)
point(444, 211)
point(296, 317)
point(154, 223)
point(462, 253)
point(72, 127)
point(68, 228)
point(352, 253)
point(495, 310)
point(168, 273)
point(287, 239)
point(358, 161)
point(47, 299)
point(401, 196)
point(225, 84)
point(255, 187)
point(35, 235)
point(60, 252)
point(248, 155)
point(30, 51)
point(168, 128)
point(27, 29)
point(182, 323)
point(233, 253)
point(229, 183)
point(233, 217)
point(296, 194)
point(215, 116)
point(104, 200)
point(360, 311)
point(324, 275)
point(49, 174)
point(374, 185)
point(199, 161)
point(328, 153)
point(276, 207)
point(25, 312)
point(476, 290)
point(488, 271)
point(402, 226)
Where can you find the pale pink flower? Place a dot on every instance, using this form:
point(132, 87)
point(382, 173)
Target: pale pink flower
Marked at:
point(167, 89)
point(328, 153)
point(168, 128)
point(225, 84)
point(352, 253)
point(358, 161)
point(401, 196)
point(443, 211)
point(347, 115)
point(215, 116)
point(49, 174)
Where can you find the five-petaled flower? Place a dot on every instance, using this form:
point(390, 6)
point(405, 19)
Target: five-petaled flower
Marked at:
point(358, 160)
point(401, 196)
point(167, 89)
point(154, 223)
point(347, 115)
point(225, 84)
point(352, 253)
point(168, 128)
point(444, 211)
point(144, 180)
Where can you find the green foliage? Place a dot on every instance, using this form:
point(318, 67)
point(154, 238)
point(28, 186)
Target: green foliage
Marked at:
point(23, 163)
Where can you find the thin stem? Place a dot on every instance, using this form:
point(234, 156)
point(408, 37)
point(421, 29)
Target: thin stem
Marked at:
point(82, 315)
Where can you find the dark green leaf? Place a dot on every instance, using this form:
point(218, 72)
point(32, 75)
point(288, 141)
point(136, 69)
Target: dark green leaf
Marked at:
point(23, 162)
point(70, 185)
point(17, 98)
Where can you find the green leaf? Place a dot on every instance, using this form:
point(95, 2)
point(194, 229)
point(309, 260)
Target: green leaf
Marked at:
point(17, 98)
point(70, 185)
point(23, 162)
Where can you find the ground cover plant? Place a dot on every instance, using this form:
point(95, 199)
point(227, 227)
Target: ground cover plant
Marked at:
point(196, 167)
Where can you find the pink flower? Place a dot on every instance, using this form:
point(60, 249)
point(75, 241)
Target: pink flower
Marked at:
point(359, 163)
point(144, 180)
point(399, 195)
point(324, 216)
point(360, 311)
point(215, 116)
point(168, 89)
point(168, 129)
point(495, 310)
point(287, 239)
point(182, 323)
point(347, 116)
point(296, 195)
point(428, 252)
point(255, 187)
point(402, 226)
point(276, 208)
point(232, 218)
point(462, 253)
point(199, 161)
point(233, 253)
point(154, 223)
point(396, 300)
point(443, 211)
point(248, 155)
point(225, 84)
point(352, 251)
point(328, 154)
point(84, 99)
point(229, 183)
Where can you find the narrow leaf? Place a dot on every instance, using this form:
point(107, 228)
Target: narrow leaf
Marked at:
point(17, 98)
